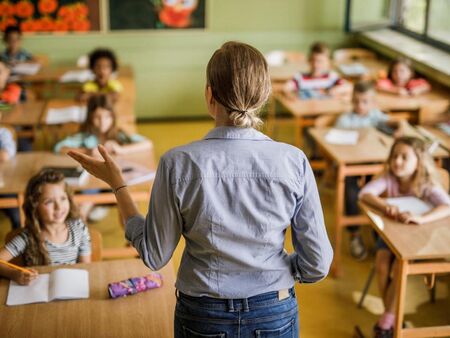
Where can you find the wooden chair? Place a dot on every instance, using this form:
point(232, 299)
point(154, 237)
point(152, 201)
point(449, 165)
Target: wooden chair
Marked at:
point(352, 54)
point(96, 245)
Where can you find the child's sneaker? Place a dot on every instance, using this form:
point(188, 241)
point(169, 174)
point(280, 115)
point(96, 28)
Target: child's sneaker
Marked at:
point(378, 332)
point(357, 248)
point(97, 214)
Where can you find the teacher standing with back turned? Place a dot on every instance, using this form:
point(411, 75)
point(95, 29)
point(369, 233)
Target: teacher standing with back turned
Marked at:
point(231, 195)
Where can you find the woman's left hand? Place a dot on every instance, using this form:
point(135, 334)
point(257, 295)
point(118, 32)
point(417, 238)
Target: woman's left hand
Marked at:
point(107, 169)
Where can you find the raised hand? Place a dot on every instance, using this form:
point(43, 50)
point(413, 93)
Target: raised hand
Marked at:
point(105, 168)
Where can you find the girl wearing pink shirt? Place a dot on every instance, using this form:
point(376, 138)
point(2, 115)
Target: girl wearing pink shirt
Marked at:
point(409, 172)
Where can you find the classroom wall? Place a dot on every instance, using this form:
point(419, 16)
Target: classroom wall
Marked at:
point(170, 65)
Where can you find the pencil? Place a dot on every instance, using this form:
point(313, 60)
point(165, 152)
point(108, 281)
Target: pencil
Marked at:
point(14, 266)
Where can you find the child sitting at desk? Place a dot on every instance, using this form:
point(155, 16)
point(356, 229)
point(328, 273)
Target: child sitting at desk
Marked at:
point(9, 92)
point(321, 81)
point(364, 115)
point(409, 172)
point(14, 54)
point(8, 151)
point(100, 128)
point(401, 80)
point(103, 64)
point(53, 232)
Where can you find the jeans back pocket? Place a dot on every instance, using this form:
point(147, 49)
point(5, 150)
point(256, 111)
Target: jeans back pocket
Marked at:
point(188, 333)
point(286, 331)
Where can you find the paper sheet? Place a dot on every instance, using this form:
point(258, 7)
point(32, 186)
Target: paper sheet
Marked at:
point(36, 292)
point(77, 76)
point(26, 68)
point(69, 284)
point(75, 114)
point(342, 137)
point(409, 203)
point(353, 69)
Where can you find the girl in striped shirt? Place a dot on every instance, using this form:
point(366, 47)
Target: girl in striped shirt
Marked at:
point(53, 232)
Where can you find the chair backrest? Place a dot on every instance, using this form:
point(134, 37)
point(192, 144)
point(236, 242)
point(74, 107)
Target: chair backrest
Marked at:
point(352, 54)
point(96, 245)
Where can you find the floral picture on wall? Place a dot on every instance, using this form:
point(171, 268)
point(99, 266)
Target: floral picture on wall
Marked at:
point(156, 14)
point(48, 16)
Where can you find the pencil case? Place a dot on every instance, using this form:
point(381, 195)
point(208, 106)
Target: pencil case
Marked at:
point(134, 285)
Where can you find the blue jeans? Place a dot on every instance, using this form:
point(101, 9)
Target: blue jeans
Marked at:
point(263, 315)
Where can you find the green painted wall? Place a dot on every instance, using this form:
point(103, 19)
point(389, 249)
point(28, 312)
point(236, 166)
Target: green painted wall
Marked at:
point(170, 65)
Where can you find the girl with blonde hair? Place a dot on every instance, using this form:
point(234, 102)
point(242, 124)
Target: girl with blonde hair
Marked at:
point(409, 172)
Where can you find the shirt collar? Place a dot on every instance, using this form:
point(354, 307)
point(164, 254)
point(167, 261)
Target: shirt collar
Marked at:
point(236, 133)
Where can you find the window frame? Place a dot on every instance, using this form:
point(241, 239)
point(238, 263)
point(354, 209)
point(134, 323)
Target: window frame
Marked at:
point(396, 23)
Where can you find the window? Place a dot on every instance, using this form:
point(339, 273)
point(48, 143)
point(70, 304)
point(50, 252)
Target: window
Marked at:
point(426, 20)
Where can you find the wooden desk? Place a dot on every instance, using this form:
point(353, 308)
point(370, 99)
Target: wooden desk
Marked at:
point(418, 249)
point(305, 111)
point(54, 73)
point(17, 172)
point(23, 115)
point(56, 132)
point(365, 158)
point(287, 71)
point(392, 102)
point(146, 314)
point(438, 134)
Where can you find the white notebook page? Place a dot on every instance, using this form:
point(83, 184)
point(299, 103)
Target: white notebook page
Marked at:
point(69, 284)
point(35, 292)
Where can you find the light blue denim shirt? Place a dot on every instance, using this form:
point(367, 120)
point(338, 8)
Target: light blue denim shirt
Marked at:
point(232, 196)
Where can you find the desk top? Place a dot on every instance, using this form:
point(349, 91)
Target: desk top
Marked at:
point(287, 71)
point(23, 114)
point(410, 241)
point(312, 107)
point(372, 146)
point(439, 134)
point(389, 102)
point(148, 314)
point(54, 73)
point(17, 171)
point(124, 109)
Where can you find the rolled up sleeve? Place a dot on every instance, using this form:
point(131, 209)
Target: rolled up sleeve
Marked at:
point(313, 252)
point(156, 236)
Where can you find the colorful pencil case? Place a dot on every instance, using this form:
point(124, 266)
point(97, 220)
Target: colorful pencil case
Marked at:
point(134, 285)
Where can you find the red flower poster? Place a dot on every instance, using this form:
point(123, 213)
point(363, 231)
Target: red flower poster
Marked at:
point(47, 16)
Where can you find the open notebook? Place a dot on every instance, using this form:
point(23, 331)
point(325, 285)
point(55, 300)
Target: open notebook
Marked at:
point(59, 284)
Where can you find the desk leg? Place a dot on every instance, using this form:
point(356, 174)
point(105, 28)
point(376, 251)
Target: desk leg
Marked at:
point(401, 291)
point(339, 210)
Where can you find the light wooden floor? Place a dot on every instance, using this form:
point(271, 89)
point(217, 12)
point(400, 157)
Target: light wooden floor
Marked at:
point(326, 308)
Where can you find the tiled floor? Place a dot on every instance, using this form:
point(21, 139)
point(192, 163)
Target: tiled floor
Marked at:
point(326, 308)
